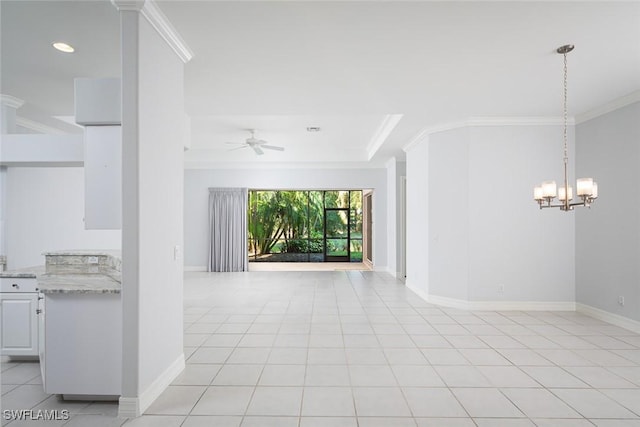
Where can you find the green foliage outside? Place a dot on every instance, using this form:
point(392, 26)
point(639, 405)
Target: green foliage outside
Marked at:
point(294, 222)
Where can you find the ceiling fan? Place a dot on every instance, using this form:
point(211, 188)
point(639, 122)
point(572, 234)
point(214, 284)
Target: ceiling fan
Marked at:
point(256, 144)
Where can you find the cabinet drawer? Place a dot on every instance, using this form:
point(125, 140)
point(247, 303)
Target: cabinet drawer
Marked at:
point(19, 284)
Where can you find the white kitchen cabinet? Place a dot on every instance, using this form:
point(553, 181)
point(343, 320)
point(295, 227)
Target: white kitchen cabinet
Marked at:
point(19, 317)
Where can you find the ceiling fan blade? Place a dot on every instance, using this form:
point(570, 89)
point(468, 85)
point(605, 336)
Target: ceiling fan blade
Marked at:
point(260, 141)
point(237, 148)
point(272, 147)
point(257, 149)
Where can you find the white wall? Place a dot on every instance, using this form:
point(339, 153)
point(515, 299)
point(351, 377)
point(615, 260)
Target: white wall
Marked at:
point(152, 288)
point(471, 214)
point(512, 242)
point(448, 193)
point(392, 215)
point(418, 218)
point(196, 196)
point(45, 211)
point(608, 235)
point(395, 171)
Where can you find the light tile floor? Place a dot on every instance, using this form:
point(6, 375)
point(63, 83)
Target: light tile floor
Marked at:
point(357, 349)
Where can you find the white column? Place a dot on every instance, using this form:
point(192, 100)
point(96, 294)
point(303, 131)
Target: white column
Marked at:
point(153, 57)
point(391, 215)
point(417, 204)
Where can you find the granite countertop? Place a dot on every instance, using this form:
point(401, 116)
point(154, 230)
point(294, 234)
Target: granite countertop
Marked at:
point(24, 273)
point(78, 283)
point(85, 252)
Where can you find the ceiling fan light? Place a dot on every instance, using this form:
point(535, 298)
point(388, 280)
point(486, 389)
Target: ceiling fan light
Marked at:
point(63, 47)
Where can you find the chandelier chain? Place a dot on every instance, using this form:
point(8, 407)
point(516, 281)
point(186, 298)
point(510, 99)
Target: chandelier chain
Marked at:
point(565, 117)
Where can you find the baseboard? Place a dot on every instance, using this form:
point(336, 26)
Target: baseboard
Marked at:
point(493, 305)
point(131, 407)
point(195, 268)
point(614, 319)
point(415, 289)
point(381, 268)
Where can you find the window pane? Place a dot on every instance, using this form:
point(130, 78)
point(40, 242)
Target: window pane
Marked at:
point(292, 209)
point(336, 199)
point(356, 251)
point(336, 223)
point(316, 215)
point(337, 247)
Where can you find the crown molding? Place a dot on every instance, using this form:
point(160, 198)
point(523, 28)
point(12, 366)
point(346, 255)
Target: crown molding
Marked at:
point(212, 165)
point(38, 127)
point(517, 121)
point(425, 132)
point(158, 20)
point(486, 121)
point(632, 98)
point(128, 5)
point(389, 122)
point(11, 101)
point(163, 26)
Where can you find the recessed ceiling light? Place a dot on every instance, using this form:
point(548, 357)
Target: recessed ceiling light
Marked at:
point(64, 47)
point(313, 129)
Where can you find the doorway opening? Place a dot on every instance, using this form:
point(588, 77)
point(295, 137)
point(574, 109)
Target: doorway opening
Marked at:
point(306, 226)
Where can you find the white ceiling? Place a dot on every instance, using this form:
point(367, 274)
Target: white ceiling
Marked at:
point(281, 66)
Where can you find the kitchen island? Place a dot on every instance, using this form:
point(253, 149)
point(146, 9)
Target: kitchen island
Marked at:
point(81, 324)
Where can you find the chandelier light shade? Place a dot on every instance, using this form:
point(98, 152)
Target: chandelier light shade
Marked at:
point(586, 188)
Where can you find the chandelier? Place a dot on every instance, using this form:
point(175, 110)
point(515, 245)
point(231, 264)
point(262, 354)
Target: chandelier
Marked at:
point(586, 188)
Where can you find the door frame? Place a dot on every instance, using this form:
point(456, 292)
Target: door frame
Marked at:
point(367, 227)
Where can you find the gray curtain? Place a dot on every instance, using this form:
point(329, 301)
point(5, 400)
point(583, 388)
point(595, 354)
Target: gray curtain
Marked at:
point(228, 229)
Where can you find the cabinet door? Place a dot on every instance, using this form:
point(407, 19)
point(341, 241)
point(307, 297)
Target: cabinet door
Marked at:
point(19, 334)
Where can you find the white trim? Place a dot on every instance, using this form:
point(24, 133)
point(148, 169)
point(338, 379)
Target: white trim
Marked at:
point(11, 101)
point(38, 127)
point(128, 407)
point(413, 288)
point(152, 13)
point(518, 121)
point(195, 268)
point(430, 130)
point(486, 121)
point(381, 268)
point(387, 125)
point(632, 98)
point(207, 165)
point(493, 305)
point(130, 5)
point(614, 319)
point(135, 406)
point(163, 26)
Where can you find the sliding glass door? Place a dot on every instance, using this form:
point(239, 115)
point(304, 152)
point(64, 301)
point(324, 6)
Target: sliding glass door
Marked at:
point(305, 226)
point(336, 235)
